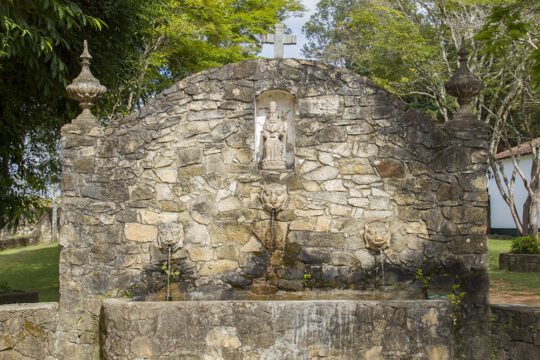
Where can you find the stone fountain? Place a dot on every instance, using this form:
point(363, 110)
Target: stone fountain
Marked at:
point(276, 188)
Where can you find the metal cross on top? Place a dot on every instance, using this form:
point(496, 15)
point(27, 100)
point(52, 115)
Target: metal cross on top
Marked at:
point(279, 39)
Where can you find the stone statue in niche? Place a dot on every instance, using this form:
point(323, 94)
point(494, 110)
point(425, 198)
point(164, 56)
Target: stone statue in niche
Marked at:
point(274, 197)
point(171, 235)
point(377, 236)
point(273, 135)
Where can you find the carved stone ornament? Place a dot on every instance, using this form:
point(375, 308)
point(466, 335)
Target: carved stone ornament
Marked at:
point(273, 135)
point(463, 84)
point(274, 197)
point(377, 236)
point(85, 89)
point(171, 235)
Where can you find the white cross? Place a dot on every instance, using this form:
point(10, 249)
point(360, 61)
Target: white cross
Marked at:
point(279, 39)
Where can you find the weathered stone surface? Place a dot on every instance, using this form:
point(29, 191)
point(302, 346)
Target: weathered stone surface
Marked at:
point(390, 168)
point(519, 262)
point(140, 233)
point(281, 329)
point(322, 173)
point(218, 267)
point(358, 156)
point(515, 331)
point(319, 106)
point(28, 331)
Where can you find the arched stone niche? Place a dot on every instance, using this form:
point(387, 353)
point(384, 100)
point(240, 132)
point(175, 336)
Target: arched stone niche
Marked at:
point(286, 110)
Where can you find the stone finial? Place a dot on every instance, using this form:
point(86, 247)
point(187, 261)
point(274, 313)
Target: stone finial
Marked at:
point(85, 89)
point(463, 84)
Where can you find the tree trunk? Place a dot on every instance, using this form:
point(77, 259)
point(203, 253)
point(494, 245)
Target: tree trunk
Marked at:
point(533, 198)
point(54, 220)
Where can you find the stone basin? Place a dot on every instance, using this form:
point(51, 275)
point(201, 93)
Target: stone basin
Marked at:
point(314, 294)
point(278, 329)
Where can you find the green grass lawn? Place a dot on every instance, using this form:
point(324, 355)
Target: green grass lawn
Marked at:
point(516, 280)
point(32, 268)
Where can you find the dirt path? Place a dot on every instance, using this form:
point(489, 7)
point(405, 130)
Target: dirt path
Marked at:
point(501, 292)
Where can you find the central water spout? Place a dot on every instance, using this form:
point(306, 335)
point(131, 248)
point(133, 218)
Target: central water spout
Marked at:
point(382, 255)
point(377, 236)
point(272, 230)
point(169, 297)
point(170, 240)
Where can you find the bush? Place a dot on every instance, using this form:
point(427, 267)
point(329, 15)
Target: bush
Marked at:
point(525, 245)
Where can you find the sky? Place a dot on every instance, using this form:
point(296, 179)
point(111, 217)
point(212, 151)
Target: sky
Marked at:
point(295, 24)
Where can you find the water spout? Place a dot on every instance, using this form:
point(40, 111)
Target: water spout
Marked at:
point(382, 255)
point(272, 231)
point(169, 297)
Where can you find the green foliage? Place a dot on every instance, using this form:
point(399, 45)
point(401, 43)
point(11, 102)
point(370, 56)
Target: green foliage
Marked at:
point(35, 37)
point(170, 273)
point(513, 24)
point(409, 47)
point(307, 278)
point(525, 245)
point(425, 279)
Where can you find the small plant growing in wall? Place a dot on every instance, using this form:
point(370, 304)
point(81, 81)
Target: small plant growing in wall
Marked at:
point(425, 279)
point(307, 277)
point(171, 274)
point(456, 300)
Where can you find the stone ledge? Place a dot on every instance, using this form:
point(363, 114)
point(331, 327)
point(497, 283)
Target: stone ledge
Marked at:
point(515, 331)
point(334, 329)
point(519, 262)
point(28, 331)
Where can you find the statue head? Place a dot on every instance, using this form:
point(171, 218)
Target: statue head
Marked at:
point(377, 235)
point(274, 197)
point(272, 107)
point(171, 235)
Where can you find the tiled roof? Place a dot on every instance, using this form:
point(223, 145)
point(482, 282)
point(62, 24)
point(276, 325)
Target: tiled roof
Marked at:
point(521, 149)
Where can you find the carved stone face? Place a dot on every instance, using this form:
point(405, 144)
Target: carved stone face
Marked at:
point(377, 236)
point(274, 197)
point(171, 235)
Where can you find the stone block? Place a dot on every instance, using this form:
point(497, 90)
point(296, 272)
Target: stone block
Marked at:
point(317, 239)
point(333, 134)
point(319, 106)
point(390, 168)
point(167, 175)
point(140, 233)
point(322, 173)
point(200, 253)
point(189, 156)
point(218, 267)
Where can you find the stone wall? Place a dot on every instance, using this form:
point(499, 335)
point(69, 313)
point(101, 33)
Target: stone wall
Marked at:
point(519, 262)
point(27, 332)
point(515, 332)
point(185, 164)
point(230, 330)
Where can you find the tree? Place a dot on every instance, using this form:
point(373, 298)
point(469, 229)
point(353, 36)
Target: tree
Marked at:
point(512, 28)
point(409, 47)
point(139, 47)
point(34, 41)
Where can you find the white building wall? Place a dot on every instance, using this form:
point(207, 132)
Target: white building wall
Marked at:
point(501, 217)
